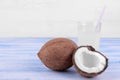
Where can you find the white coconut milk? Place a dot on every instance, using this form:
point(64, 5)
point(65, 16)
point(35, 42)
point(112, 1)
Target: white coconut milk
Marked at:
point(88, 35)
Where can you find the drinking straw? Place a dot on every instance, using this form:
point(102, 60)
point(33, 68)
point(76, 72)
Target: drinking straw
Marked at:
point(100, 18)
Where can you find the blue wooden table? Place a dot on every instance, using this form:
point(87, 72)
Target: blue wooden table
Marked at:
point(19, 60)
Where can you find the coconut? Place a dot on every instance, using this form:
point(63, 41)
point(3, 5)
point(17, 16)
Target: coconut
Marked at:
point(88, 62)
point(57, 53)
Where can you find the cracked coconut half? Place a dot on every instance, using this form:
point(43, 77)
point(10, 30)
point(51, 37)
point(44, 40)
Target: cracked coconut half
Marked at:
point(88, 62)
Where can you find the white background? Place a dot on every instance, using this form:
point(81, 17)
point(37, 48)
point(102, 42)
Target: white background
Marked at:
point(52, 18)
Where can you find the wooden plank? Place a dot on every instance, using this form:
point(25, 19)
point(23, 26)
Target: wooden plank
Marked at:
point(19, 61)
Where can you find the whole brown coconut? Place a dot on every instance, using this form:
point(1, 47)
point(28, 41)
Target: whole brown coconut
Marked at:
point(57, 54)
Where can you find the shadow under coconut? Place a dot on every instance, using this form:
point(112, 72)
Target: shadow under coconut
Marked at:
point(66, 74)
point(71, 74)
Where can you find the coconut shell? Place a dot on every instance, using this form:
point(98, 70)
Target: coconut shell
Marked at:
point(57, 54)
point(85, 74)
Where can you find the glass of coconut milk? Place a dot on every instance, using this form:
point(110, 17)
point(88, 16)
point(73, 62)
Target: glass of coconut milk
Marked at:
point(89, 34)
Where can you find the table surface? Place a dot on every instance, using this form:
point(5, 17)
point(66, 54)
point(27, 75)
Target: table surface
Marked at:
point(19, 60)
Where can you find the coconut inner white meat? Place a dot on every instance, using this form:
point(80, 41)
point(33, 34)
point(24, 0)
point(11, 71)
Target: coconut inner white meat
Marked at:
point(89, 61)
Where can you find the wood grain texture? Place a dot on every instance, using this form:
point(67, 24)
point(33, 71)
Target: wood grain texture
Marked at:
point(19, 61)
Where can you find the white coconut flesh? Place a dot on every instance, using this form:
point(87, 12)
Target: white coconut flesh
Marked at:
point(89, 61)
